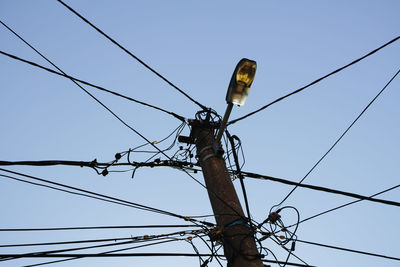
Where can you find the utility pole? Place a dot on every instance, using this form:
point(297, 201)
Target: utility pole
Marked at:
point(233, 229)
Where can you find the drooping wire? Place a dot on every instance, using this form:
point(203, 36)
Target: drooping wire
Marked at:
point(274, 220)
point(113, 255)
point(95, 228)
point(345, 205)
point(66, 242)
point(94, 195)
point(65, 250)
point(98, 101)
point(239, 174)
point(340, 138)
point(106, 252)
point(136, 239)
point(77, 81)
point(350, 250)
point(316, 81)
point(131, 54)
point(321, 189)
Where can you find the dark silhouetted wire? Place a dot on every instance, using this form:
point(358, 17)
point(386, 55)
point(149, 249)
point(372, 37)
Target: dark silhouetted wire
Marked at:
point(98, 101)
point(66, 242)
point(92, 255)
point(350, 250)
point(99, 196)
point(132, 55)
point(340, 138)
point(94, 228)
point(76, 80)
point(287, 263)
point(320, 188)
point(133, 240)
point(239, 173)
point(91, 164)
point(106, 252)
point(345, 205)
point(314, 82)
point(66, 250)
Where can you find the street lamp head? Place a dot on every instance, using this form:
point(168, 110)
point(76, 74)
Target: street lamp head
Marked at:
point(241, 81)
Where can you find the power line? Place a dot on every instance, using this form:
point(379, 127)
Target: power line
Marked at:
point(100, 196)
point(107, 252)
point(239, 172)
point(132, 55)
point(76, 80)
point(345, 205)
point(316, 81)
point(133, 240)
point(286, 263)
point(65, 242)
point(98, 101)
point(94, 228)
point(91, 255)
point(91, 163)
point(343, 134)
point(66, 250)
point(320, 188)
point(350, 250)
point(180, 164)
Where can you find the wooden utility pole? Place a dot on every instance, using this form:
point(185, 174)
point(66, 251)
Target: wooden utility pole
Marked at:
point(232, 225)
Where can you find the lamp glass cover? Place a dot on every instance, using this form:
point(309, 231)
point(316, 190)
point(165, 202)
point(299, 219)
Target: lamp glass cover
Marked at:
point(241, 82)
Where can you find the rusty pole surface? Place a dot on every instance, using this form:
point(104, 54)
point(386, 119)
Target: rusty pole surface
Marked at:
point(238, 240)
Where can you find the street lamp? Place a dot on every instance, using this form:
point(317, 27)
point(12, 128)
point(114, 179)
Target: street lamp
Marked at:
point(239, 88)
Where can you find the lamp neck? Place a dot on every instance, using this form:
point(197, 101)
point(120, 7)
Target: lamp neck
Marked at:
point(223, 123)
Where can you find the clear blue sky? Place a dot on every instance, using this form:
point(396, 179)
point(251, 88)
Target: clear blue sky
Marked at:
point(196, 45)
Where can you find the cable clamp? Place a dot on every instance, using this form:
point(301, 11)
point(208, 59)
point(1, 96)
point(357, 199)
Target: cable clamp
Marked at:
point(204, 149)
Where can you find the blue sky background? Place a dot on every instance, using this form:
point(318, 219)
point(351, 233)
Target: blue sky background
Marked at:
point(196, 45)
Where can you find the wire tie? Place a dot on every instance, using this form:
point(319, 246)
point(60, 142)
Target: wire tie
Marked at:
point(238, 222)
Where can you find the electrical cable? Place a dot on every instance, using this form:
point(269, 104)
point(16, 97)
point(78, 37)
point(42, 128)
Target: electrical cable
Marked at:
point(294, 255)
point(107, 198)
point(94, 228)
point(345, 205)
point(106, 252)
point(316, 81)
point(91, 255)
point(133, 240)
point(85, 164)
point(77, 81)
point(320, 188)
point(340, 138)
point(239, 173)
point(66, 250)
point(65, 242)
point(98, 101)
point(350, 250)
point(132, 55)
